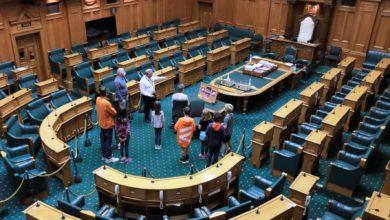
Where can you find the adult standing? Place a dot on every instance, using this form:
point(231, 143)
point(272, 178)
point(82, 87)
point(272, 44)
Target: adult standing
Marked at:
point(148, 92)
point(215, 135)
point(105, 113)
point(228, 125)
point(121, 93)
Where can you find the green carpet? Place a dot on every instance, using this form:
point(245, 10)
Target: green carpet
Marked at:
point(164, 163)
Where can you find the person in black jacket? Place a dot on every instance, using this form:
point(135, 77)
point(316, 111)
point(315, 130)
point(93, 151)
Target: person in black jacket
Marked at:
point(215, 135)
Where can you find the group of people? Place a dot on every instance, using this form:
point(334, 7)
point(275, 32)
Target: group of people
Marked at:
point(114, 121)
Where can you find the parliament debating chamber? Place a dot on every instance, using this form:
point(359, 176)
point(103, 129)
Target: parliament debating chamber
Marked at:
point(299, 90)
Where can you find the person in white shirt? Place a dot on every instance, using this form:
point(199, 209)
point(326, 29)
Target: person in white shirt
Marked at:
point(179, 96)
point(148, 91)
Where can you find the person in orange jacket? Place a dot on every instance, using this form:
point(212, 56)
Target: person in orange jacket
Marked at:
point(185, 128)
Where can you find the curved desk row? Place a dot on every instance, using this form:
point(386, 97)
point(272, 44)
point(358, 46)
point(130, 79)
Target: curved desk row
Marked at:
point(175, 196)
point(57, 128)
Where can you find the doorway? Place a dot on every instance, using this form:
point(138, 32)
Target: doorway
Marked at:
point(205, 14)
point(100, 29)
point(29, 52)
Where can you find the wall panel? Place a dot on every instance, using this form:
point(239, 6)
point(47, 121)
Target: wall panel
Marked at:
point(380, 39)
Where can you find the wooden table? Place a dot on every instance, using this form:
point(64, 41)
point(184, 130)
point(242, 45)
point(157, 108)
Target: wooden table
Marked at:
point(329, 79)
point(61, 125)
point(97, 53)
point(134, 94)
point(354, 100)
point(168, 51)
point(239, 50)
point(310, 98)
point(46, 87)
point(192, 70)
point(166, 86)
point(211, 37)
point(378, 207)
point(285, 120)
point(133, 42)
point(333, 125)
point(99, 74)
point(383, 66)
point(306, 51)
point(164, 33)
point(41, 211)
point(278, 208)
point(386, 181)
point(71, 60)
point(133, 62)
point(141, 195)
point(261, 142)
point(218, 60)
point(314, 144)
point(192, 43)
point(189, 26)
point(302, 187)
point(346, 66)
point(372, 81)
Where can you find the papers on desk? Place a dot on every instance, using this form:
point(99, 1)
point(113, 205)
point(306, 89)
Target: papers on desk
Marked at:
point(260, 69)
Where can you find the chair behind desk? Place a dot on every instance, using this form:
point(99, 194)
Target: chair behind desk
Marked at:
point(177, 109)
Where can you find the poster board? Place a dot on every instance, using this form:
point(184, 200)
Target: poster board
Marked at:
point(208, 93)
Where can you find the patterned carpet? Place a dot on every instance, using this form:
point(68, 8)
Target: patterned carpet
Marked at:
point(164, 163)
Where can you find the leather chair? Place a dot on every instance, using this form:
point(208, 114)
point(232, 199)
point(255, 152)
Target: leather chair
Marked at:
point(125, 35)
point(7, 67)
point(37, 111)
point(202, 32)
point(115, 40)
point(217, 43)
point(169, 42)
point(142, 31)
point(363, 155)
point(59, 98)
point(176, 22)
point(263, 190)
point(93, 44)
point(106, 212)
point(21, 165)
point(193, 52)
point(204, 49)
point(73, 207)
point(108, 82)
point(166, 24)
point(164, 62)
point(192, 34)
point(360, 142)
point(153, 46)
point(344, 173)
point(374, 57)
point(106, 61)
point(83, 77)
point(288, 159)
point(140, 50)
point(121, 56)
point(233, 208)
point(152, 29)
point(79, 48)
point(57, 61)
point(132, 74)
point(371, 130)
point(177, 57)
point(19, 134)
point(28, 81)
point(2, 94)
point(379, 114)
point(177, 110)
point(180, 39)
point(290, 54)
point(144, 67)
point(226, 41)
point(340, 211)
point(334, 55)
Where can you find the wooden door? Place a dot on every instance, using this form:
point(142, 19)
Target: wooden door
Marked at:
point(29, 53)
point(205, 14)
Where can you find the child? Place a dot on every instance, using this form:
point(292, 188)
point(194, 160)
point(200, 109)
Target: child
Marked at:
point(205, 120)
point(215, 134)
point(157, 119)
point(185, 128)
point(228, 125)
point(122, 130)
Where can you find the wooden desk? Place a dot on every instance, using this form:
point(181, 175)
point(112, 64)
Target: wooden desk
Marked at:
point(41, 211)
point(57, 128)
point(372, 81)
point(314, 144)
point(46, 87)
point(239, 50)
point(378, 207)
point(278, 208)
point(97, 53)
point(354, 100)
point(99, 74)
point(192, 70)
point(306, 51)
point(4, 81)
point(11, 104)
point(133, 42)
point(141, 195)
point(329, 79)
point(165, 86)
point(134, 62)
point(134, 94)
point(386, 181)
point(218, 60)
point(19, 72)
point(302, 187)
point(333, 125)
point(192, 43)
point(71, 60)
point(346, 66)
point(168, 51)
point(285, 120)
point(211, 37)
point(164, 33)
point(261, 142)
point(383, 66)
point(310, 98)
point(189, 26)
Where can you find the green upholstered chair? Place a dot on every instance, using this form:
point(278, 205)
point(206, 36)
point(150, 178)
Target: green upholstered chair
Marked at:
point(37, 111)
point(83, 78)
point(290, 54)
point(7, 68)
point(57, 61)
point(28, 81)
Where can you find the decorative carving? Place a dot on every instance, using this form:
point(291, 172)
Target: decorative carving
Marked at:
point(26, 20)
